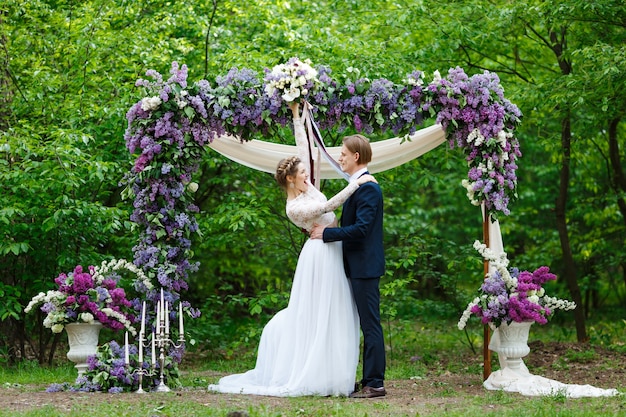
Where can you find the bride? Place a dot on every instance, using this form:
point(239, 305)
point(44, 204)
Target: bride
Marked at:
point(312, 346)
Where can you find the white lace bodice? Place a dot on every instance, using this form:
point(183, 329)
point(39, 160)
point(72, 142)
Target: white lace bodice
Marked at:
point(312, 207)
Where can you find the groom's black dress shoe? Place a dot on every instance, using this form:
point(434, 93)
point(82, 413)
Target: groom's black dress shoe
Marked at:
point(369, 392)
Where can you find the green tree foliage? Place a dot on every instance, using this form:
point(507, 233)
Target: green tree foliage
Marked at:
point(68, 73)
point(565, 62)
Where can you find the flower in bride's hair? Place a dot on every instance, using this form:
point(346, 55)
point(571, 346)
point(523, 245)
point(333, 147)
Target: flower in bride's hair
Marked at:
point(292, 80)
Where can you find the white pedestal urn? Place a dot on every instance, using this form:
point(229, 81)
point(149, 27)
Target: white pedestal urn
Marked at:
point(513, 343)
point(83, 340)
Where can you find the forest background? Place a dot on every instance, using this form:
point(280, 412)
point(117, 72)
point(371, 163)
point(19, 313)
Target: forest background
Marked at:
point(67, 78)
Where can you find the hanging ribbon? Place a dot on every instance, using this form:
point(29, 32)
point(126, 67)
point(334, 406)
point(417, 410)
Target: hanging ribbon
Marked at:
point(313, 132)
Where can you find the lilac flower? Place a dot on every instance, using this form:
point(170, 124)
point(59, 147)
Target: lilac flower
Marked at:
point(48, 307)
point(508, 294)
point(56, 387)
point(84, 295)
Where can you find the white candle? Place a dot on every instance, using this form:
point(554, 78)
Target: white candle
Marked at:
point(158, 317)
point(153, 351)
point(143, 318)
point(141, 336)
point(167, 318)
point(180, 320)
point(162, 317)
point(126, 356)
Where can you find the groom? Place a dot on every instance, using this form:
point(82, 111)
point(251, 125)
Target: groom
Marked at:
point(361, 232)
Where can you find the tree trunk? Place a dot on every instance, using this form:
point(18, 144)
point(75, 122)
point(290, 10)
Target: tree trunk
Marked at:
point(558, 43)
point(618, 180)
point(569, 268)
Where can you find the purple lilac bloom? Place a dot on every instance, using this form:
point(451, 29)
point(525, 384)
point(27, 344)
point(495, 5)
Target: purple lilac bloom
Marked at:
point(82, 281)
point(48, 307)
point(56, 387)
point(103, 294)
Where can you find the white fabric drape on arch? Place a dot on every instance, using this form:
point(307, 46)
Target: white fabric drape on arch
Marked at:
point(387, 154)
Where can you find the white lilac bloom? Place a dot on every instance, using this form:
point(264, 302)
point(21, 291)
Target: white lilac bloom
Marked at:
point(87, 317)
point(508, 294)
point(150, 103)
point(57, 328)
point(193, 187)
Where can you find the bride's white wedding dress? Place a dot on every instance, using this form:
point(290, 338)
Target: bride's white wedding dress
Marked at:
point(312, 346)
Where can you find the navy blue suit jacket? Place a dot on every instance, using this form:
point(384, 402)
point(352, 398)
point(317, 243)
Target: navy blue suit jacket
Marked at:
point(361, 232)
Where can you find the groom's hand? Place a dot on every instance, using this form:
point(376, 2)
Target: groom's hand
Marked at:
point(317, 231)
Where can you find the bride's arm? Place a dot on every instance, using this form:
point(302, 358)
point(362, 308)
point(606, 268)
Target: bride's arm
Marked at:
point(317, 208)
point(341, 197)
point(302, 143)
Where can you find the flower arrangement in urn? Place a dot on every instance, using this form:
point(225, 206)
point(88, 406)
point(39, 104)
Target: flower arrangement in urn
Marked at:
point(510, 295)
point(85, 296)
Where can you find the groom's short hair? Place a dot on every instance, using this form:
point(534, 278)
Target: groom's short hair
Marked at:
point(360, 144)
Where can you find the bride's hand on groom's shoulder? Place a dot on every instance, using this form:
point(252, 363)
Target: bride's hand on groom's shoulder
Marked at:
point(366, 178)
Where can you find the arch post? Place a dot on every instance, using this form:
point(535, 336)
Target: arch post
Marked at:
point(486, 332)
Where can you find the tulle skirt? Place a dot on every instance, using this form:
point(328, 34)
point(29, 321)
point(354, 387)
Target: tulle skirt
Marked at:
point(312, 346)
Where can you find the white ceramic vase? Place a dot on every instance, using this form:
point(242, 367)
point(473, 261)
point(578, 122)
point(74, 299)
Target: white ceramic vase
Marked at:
point(513, 343)
point(83, 340)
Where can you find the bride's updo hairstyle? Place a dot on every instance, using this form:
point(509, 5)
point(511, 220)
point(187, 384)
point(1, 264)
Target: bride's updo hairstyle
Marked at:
point(286, 167)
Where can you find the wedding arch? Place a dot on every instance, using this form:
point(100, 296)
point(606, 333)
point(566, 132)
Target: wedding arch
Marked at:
point(169, 129)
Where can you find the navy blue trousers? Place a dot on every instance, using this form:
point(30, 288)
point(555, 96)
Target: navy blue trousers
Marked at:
point(367, 298)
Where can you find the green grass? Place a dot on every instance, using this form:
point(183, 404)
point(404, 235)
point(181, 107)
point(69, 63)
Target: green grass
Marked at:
point(422, 351)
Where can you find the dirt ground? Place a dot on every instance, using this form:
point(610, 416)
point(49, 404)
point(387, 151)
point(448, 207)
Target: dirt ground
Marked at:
point(566, 362)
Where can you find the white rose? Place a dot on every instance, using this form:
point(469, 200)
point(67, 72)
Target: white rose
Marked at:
point(193, 187)
point(291, 95)
point(57, 328)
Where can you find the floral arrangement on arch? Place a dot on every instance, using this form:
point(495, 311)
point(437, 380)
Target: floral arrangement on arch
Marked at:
point(481, 121)
point(85, 296)
point(510, 295)
point(169, 128)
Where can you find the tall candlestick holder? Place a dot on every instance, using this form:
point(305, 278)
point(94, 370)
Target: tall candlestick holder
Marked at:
point(141, 371)
point(163, 342)
point(160, 340)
